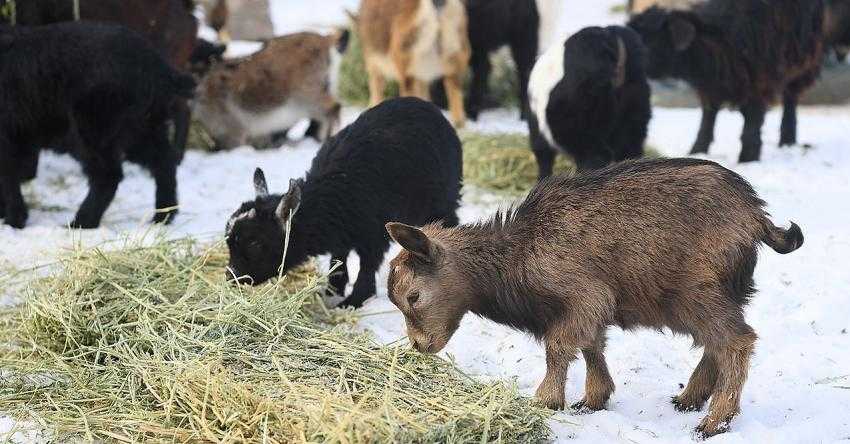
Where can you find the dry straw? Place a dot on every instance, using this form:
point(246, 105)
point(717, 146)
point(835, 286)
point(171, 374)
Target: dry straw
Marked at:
point(150, 344)
point(504, 162)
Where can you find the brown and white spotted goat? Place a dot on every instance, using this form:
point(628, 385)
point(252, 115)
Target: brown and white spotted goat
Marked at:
point(651, 243)
point(293, 77)
point(415, 42)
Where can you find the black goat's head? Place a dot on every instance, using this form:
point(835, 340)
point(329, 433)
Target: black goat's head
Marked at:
point(666, 35)
point(256, 232)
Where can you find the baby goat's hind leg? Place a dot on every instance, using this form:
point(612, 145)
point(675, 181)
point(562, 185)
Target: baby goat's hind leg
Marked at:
point(598, 385)
point(699, 387)
point(732, 358)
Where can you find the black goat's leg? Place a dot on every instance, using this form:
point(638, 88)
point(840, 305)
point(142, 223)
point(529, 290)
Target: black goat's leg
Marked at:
point(705, 137)
point(751, 142)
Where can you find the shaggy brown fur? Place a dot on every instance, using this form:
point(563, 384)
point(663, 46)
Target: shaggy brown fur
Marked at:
point(415, 42)
point(651, 243)
point(291, 78)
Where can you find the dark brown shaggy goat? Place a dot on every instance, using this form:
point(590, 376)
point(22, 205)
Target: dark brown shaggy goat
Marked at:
point(650, 243)
point(168, 24)
point(747, 53)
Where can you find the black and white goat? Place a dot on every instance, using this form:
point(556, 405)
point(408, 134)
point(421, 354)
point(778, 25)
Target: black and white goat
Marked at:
point(590, 98)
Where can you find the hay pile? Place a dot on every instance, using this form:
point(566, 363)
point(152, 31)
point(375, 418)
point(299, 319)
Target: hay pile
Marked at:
point(150, 343)
point(503, 163)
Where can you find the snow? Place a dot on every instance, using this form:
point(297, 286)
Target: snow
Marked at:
point(797, 389)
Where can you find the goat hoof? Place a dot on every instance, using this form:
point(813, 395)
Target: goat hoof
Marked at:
point(584, 407)
point(164, 218)
point(710, 427)
point(350, 303)
point(18, 221)
point(82, 224)
point(684, 406)
point(787, 142)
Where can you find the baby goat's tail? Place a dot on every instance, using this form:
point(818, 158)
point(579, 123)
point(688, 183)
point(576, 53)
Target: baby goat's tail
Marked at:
point(781, 240)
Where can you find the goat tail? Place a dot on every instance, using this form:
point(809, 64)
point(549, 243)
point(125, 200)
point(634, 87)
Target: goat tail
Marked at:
point(781, 240)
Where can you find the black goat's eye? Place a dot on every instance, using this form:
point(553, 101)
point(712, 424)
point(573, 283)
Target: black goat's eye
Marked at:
point(412, 298)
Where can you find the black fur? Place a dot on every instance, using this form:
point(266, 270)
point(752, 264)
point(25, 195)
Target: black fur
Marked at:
point(743, 52)
point(205, 55)
point(494, 24)
point(590, 116)
point(99, 92)
point(838, 27)
point(400, 161)
point(168, 24)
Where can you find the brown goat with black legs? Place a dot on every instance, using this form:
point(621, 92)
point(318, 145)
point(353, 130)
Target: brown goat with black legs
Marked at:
point(648, 243)
point(748, 53)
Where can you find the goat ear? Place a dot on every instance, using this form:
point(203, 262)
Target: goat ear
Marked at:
point(260, 185)
point(411, 239)
point(291, 201)
point(683, 33)
point(343, 40)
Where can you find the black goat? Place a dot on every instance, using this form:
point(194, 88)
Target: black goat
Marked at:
point(743, 52)
point(401, 160)
point(99, 92)
point(521, 25)
point(590, 98)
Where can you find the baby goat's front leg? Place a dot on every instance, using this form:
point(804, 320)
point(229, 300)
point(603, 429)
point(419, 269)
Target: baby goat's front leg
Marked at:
point(560, 351)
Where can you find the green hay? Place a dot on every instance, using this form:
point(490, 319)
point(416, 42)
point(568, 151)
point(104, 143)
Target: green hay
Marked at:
point(504, 163)
point(354, 81)
point(151, 344)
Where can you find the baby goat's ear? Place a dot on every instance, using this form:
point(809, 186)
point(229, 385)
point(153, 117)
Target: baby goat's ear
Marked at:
point(411, 239)
point(291, 201)
point(260, 185)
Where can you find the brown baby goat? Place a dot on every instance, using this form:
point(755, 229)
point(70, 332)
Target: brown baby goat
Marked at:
point(651, 243)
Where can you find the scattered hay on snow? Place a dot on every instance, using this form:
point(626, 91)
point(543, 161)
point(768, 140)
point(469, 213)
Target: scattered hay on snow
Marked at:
point(504, 163)
point(150, 343)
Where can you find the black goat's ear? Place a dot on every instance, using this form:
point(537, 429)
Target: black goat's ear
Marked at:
point(260, 185)
point(683, 33)
point(291, 201)
point(343, 40)
point(411, 239)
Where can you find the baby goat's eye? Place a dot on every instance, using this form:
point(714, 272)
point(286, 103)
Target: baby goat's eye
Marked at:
point(412, 298)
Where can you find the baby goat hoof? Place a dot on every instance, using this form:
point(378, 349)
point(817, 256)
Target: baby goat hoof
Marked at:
point(684, 406)
point(164, 218)
point(349, 303)
point(710, 427)
point(551, 404)
point(583, 407)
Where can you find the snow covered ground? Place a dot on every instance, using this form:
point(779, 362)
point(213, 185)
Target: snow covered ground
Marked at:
point(799, 385)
